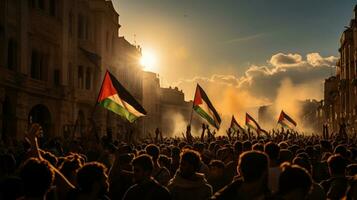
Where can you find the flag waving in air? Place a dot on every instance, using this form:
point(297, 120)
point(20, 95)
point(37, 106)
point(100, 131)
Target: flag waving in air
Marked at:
point(235, 126)
point(114, 97)
point(251, 123)
point(203, 106)
point(286, 121)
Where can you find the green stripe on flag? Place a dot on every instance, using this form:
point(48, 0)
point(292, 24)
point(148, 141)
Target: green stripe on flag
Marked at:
point(203, 114)
point(118, 109)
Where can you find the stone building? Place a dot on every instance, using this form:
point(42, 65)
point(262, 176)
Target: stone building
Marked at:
point(151, 101)
point(175, 111)
point(53, 60)
point(166, 108)
point(341, 90)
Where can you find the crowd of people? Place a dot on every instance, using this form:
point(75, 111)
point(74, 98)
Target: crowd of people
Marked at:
point(279, 165)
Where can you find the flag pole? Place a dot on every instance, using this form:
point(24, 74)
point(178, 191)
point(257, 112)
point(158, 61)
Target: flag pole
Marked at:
point(193, 105)
point(191, 114)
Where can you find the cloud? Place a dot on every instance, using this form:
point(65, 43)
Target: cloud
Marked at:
point(261, 85)
point(314, 59)
point(286, 60)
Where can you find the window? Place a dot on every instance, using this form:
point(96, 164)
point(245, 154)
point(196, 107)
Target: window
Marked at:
point(11, 54)
point(88, 79)
point(36, 65)
point(80, 77)
point(52, 7)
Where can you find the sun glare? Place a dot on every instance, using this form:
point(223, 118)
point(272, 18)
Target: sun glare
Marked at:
point(148, 60)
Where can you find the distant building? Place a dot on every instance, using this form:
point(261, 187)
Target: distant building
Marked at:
point(173, 109)
point(151, 102)
point(53, 56)
point(340, 103)
point(309, 118)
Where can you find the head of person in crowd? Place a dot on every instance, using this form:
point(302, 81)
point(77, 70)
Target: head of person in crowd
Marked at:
point(69, 168)
point(253, 166)
point(283, 145)
point(294, 182)
point(247, 146)
point(342, 150)
point(92, 179)
point(303, 162)
point(285, 155)
point(154, 151)
point(238, 148)
point(142, 168)
point(337, 165)
point(272, 150)
point(352, 169)
point(37, 177)
point(164, 161)
point(258, 147)
point(216, 169)
point(190, 162)
point(325, 146)
point(225, 154)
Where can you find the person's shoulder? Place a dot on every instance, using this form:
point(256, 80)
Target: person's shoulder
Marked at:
point(229, 191)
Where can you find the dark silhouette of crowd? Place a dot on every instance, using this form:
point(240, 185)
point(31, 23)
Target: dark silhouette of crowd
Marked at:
point(248, 165)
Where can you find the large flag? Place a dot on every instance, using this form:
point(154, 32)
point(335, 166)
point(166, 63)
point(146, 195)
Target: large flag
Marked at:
point(114, 97)
point(203, 106)
point(235, 126)
point(251, 123)
point(286, 121)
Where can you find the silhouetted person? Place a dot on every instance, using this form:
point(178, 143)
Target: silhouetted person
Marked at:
point(160, 173)
point(273, 150)
point(336, 186)
point(37, 177)
point(187, 183)
point(317, 192)
point(294, 182)
point(216, 177)
point(92, 182)
point(146, 187)
point(253, 180)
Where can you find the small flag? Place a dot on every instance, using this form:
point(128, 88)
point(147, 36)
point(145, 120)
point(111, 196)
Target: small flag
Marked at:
point(114, 97)
point(251, 123)
point(235, 126)
point(286, 121)
point(203, 106)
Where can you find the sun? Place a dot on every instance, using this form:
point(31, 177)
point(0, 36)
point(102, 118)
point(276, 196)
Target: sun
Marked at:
point(148, 60)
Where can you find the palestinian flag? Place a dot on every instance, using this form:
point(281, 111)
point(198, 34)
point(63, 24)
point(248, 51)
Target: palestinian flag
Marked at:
point(251, 123)
point(114, 97)
point(234, 125)
point(203, 106)
point(286, 121)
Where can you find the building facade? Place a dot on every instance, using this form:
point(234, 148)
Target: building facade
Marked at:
point(51, 66)
point(340, 104)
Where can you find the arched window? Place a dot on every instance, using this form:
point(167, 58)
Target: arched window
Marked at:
point(88, 78)
point(80, 77)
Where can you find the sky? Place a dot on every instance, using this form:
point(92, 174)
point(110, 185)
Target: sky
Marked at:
point(243, 52)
